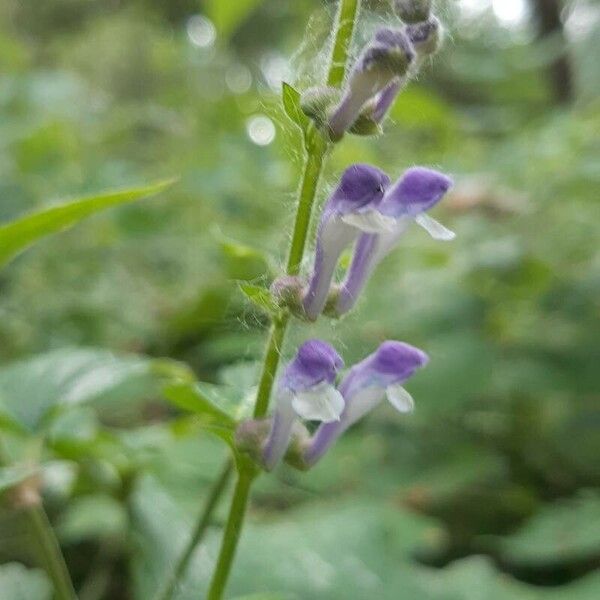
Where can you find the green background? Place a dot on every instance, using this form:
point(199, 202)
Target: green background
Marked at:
point(490, 490)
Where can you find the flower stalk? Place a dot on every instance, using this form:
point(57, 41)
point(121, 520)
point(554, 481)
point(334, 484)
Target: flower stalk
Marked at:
point(316, 149)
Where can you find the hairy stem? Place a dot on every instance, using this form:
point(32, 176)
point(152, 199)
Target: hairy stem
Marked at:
point(28, 501)
point(316, 148)
point(170, 585)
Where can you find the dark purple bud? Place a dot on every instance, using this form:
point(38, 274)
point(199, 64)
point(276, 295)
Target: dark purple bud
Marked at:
point(389, 55)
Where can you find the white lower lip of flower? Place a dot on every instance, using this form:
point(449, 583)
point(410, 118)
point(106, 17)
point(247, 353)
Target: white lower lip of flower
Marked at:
point(435, 229)
point(370, 221)
point(320, 403)
point(400, 399)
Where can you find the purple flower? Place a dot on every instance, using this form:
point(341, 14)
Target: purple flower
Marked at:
point(306, 389)
point(378, 376)
point(385, 60)
point(349, 211)
point(386, 98)
point(418, 190)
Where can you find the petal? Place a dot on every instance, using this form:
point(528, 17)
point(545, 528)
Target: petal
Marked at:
point(435, 229)
point(400, 399)
point(320, 403)
point(370, 221)
point(281, 430)
point(333, 237)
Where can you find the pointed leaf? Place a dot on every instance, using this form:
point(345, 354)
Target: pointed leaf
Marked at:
point(189, 397)
point(291, 105)
point(16, 236)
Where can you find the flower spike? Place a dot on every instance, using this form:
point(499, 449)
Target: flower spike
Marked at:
point(306, 389)
point(378, 376)
point(387, 58)
point(349, 211)
point(418, 190)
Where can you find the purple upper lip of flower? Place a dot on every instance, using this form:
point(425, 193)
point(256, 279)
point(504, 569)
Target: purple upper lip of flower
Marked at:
point(360, 185)
point(418, 190)
point(392, 363)
point(398, 360)
point(316, 361)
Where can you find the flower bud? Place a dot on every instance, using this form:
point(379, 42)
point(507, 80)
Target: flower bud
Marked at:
point(250, 437)
point(316, 103)
point(413, 11)
point(288, 292)
point(387, 57)
point(426, 37)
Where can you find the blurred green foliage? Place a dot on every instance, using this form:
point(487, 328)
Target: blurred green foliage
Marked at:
point(494, 478)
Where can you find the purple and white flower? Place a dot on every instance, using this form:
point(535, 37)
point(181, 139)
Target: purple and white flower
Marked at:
point(383, 62)
point(378, 376)
point(408, 201)
point(306, 390)
point(350, 210)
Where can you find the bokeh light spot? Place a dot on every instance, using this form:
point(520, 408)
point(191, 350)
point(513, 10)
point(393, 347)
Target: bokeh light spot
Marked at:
point(201, 32)
point(261, 130)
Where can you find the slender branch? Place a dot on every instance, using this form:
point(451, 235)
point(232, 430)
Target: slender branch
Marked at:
point(27, 499)
point(50, 552)
point(170, 585)
point(316, 148)
point(232, 533)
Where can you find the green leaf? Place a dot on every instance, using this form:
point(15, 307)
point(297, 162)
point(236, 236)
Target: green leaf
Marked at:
point(190, 397)
point(242, 262)
point(16, 236)
point(33, 389)
point(291, 105)
point(560, 532)
point(92, 517)
point(260, 297)
point(19, 583)
point(228, 16)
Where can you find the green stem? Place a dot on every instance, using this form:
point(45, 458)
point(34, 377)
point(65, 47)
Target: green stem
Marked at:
point(231, 535)
point(168, 589)
point(50, 553)
point(270, 364)
point(41, 529)
point(346, 19)
point(316, 148)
